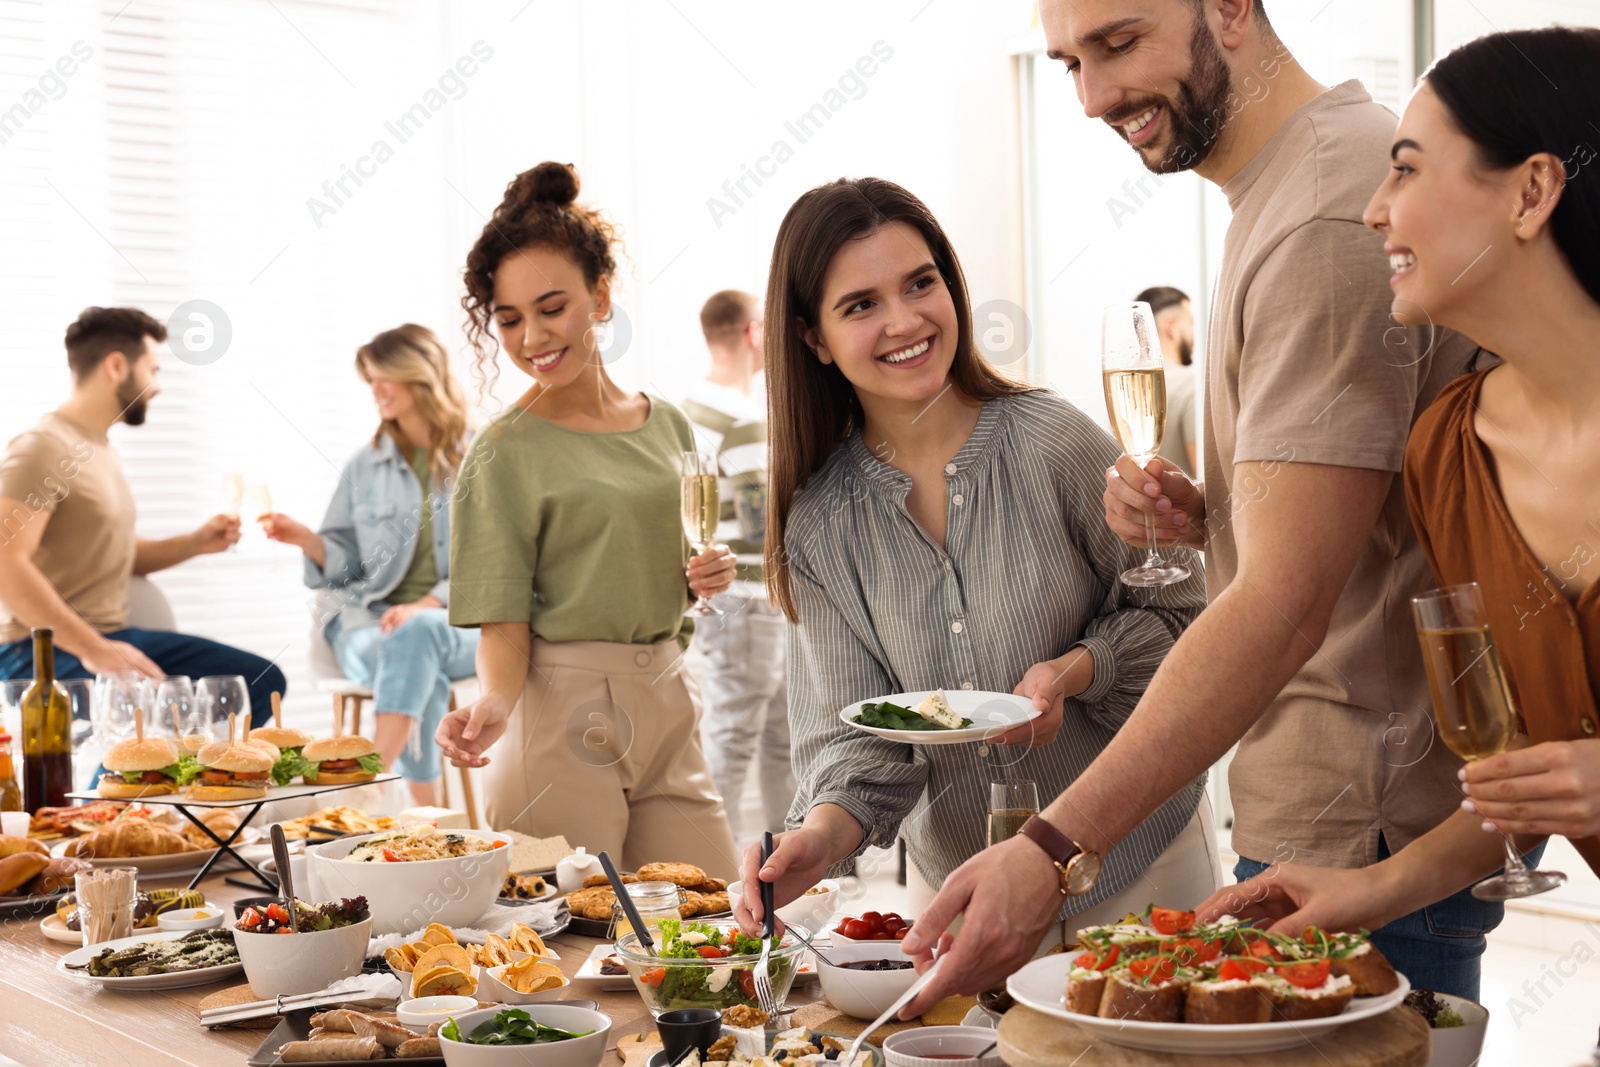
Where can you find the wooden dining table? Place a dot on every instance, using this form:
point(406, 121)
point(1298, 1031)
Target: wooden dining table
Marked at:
point(50, 1020)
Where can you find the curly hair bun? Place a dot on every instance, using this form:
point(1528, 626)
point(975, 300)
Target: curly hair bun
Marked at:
point(548, 183)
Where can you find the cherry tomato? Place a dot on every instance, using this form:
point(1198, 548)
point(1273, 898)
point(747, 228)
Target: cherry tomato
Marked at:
point(276, 913)
point(840, 929)
point(900, 934)
point(1263, 950)
point(1192, 950)
point(1307, 974)
point(1170, 921)
point(893, 923)
point(1153, 969)
point(856, 930)
point(873, 919)
point(1093, 961)
point(250, 919)
point(392, 856)
point(710, 952)
point(747, 985)
point(654, 977)
point(1239, 970)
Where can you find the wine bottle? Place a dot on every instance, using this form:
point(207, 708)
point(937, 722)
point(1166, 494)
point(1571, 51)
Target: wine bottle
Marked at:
point(46, 731)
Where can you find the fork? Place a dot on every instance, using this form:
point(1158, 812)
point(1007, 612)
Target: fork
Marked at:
point(763, 982)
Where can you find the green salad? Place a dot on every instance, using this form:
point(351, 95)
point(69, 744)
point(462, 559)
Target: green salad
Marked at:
point(887, 716)
point(706, 983)
point(510, 1027)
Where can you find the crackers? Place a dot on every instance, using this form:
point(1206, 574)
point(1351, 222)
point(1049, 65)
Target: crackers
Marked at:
point(438, 963)
point(699, 893)
point(686, 875)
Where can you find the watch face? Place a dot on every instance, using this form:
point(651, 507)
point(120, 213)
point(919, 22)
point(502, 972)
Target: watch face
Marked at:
point(1083, 871)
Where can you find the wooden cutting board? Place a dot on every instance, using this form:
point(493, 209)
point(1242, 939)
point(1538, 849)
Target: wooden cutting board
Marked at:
point(1399, 1038)
point(232, 997)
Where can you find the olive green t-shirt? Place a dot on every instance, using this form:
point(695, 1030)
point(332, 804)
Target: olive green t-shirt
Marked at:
point(423, 574)
point(576, 532)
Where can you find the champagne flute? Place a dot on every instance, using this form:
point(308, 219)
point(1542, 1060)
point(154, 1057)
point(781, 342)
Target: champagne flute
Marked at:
point(1136, 399)
point(1473, 706)
point(232, 494)
point(257, 503)
point(1012, 802)
point(701, 509)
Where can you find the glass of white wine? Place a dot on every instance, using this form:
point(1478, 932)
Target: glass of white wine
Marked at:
point(1136, 400)
point(1012, 802)
point(701, 509)
point(1473, 707)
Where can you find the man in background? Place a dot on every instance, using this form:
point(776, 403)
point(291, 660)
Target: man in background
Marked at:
point(747, 707)
point(67, 542)
point(1175, 322)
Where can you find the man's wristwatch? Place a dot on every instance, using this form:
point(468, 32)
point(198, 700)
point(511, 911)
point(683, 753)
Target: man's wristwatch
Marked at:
point(1078, 869)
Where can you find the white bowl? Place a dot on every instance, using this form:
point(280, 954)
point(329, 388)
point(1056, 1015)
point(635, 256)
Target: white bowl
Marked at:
point(839, 939)
point(584, 1051)
point(1460, 1046)
point(405, 897)
point(303, 962)
point(941, 1046)
point(208, 917)
point(812, 912)
point(864, 994)
point(496, 989)
point(423, 1012)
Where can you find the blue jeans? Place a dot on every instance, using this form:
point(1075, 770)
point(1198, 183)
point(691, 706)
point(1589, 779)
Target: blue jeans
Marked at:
point(174, 653)
point(410, 671)
point(1439, 947)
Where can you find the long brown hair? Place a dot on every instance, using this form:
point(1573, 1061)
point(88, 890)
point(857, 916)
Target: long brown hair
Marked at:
point(414, 355)
point(539, 210)
point(811, 407)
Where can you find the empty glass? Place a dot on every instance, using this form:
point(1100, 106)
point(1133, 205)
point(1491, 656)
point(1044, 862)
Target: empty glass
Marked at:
point(220, 697)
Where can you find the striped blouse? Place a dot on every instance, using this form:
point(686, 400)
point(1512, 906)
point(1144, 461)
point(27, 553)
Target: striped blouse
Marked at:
point(1029, 570)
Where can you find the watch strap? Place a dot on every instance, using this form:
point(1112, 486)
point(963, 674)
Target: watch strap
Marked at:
point(1057, 845)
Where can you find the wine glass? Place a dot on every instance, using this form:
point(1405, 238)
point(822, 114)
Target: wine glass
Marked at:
point(257, 503)
point(1012, 802)
point(119, 699)
point(1136, 399)
point(701, 508)
point(220, 697)
point(232, 494)
point(1473, 707)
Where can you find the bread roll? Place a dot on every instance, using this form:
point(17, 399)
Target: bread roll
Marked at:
point(10, 845)
point(58, 874)
point(20, 868)
point(129, 837)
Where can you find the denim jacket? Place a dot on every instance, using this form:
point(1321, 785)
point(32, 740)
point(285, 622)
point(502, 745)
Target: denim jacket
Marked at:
point(369, 535)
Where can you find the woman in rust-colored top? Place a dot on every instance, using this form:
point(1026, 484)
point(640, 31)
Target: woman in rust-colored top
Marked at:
point(1492, 215)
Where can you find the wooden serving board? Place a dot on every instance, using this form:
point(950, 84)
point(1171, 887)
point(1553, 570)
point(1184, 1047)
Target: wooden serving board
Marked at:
point(1398, 1038)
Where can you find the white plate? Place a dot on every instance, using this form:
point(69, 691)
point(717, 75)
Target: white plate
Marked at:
point(1042, 986)
point(171, 863)
point(589, 974)
point(992, 714)
point(52, 927)
point(176, 980)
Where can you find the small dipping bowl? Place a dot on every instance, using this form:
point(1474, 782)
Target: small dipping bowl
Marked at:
point(423, 1012)
point(686, 1027)
point(941, 1046)
point(208, 917)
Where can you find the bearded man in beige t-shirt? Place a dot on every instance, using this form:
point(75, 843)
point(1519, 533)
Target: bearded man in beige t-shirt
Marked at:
point(1306, 650)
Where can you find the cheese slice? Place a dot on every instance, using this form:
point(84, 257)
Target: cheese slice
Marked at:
point(937, 709)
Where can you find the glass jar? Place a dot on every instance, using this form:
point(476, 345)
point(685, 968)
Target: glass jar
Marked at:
point(10, 791)
point(654, 900)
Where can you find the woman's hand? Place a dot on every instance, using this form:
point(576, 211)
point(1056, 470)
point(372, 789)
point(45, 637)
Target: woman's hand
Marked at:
point(1049, 684)
point(280, 527)
point(466, 734)
point(1161, 491)
point(397, 616)
point(1550, 788)
point(711, 572)
point(1294, 896)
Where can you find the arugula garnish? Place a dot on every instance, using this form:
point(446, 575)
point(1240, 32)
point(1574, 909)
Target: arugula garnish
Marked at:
point(887, 716)
point(510, 1027)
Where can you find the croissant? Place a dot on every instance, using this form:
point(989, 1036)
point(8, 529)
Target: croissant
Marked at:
point(128, 837)
point(222, 823)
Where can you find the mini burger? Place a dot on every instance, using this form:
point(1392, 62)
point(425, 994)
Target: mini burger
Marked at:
point(340, 760)
point(289, 742)
point(232, 771)
point(144, 768)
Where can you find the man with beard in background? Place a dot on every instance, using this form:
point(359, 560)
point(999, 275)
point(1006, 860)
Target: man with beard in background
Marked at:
point(1306, 654)
point(67, 545)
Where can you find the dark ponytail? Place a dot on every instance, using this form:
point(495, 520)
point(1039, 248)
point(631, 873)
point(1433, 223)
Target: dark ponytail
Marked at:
point(1518, 94)
point(539, 210)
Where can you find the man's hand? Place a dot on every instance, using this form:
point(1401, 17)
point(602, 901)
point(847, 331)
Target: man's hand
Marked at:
point(111, 656)
point(1000, 928)
point(466, 733)
point(711, 572)
point(218, 533)
point(1161, 492)
point(800, 859)
point(1551, 788)
point(397, 616)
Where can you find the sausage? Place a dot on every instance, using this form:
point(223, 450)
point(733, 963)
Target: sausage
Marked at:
point(348, 1048)
point(418, 1046)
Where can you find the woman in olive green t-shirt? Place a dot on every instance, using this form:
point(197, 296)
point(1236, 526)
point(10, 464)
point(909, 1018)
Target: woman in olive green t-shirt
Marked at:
point(566, 550)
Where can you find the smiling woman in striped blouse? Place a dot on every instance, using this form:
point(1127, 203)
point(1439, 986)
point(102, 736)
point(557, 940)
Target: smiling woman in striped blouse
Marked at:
point(932, 523)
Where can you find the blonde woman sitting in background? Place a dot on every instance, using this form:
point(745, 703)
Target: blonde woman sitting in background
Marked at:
point(384, 548)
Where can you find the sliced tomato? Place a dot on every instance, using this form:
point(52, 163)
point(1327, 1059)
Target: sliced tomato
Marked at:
point(154, 777)
point(1094, 961)
point(283, 930)
point(500, 844)
point(1192, 950)
point(654, 977)
point(747, 985)
point(1171, 921)
point(710, 952)
point(250, 919)
point(340, 764)
point(1240, 970)
point(1153, 969)
point(1311, 936)
point(215, 776)
point(392, 856)
point(276, 913)
point(1263, 950)
point(1307, 974)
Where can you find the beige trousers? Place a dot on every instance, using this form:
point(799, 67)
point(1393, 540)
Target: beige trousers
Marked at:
point(1185, 874)
point(604, 748)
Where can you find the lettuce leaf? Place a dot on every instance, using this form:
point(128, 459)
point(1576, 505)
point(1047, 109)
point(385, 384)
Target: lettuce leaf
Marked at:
point(372, 763)
point(186, 770)
point(289, 766)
